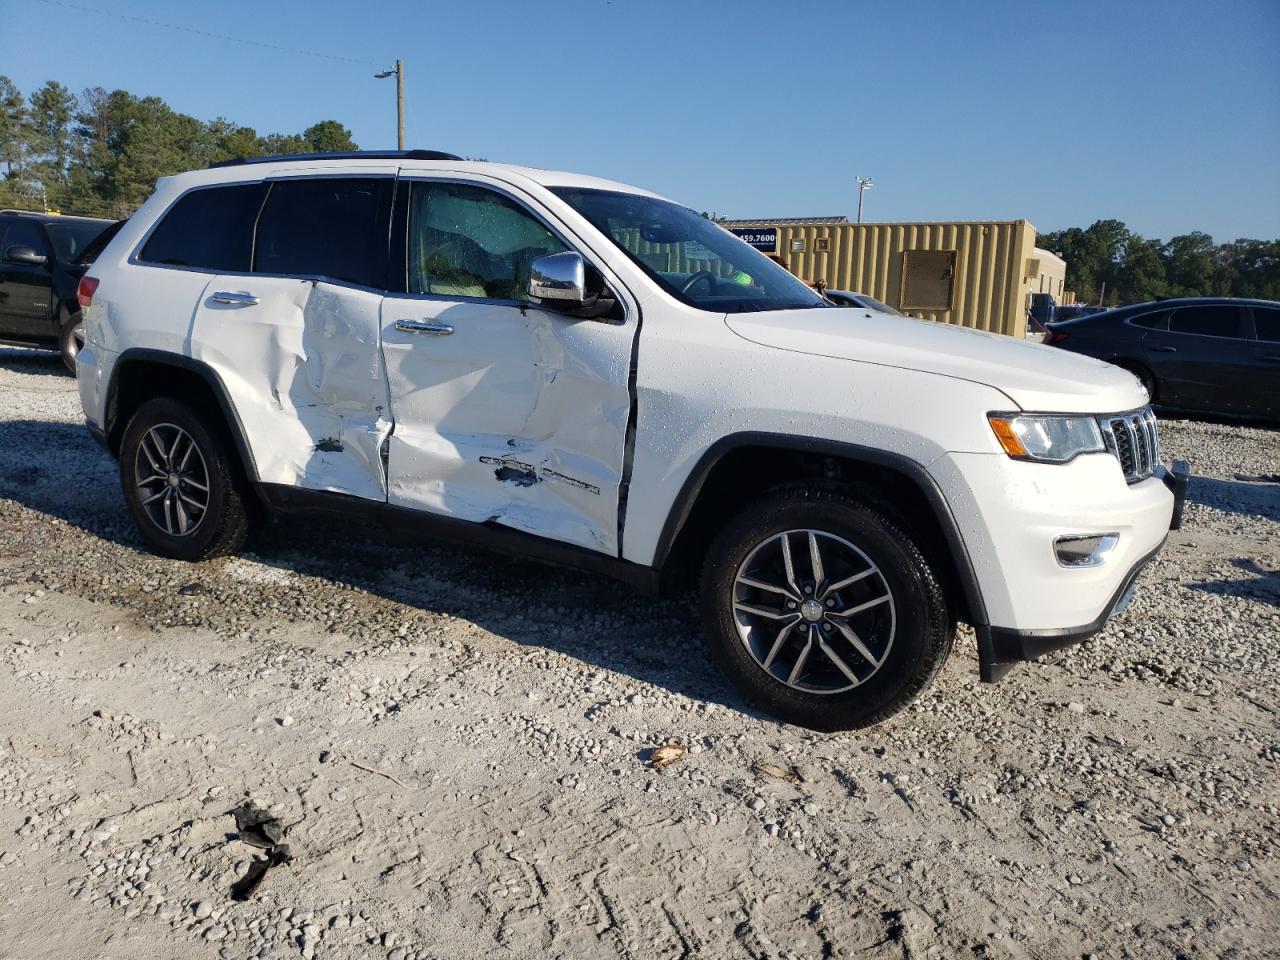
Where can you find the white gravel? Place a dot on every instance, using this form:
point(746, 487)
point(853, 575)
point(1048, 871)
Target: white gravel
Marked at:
point(456, 744)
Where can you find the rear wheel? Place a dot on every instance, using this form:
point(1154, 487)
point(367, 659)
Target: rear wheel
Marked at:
point(180, 484)
point(820, 609)
point(71, 339)
point(1142, 373)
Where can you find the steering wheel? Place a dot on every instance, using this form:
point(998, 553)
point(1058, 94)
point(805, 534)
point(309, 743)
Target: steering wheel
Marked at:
point(695, 277)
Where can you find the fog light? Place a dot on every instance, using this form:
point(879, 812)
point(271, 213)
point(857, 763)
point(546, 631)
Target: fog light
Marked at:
point(1085, 551)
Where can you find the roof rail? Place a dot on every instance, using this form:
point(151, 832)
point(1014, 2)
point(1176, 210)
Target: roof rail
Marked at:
point(343, 155)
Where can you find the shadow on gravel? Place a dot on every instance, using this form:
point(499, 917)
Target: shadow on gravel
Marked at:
point(40, 363)
point(1252, 498)
point(1262, 584)
point(58, 469)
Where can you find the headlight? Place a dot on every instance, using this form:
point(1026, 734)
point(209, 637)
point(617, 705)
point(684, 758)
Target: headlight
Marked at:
point(1048, 439)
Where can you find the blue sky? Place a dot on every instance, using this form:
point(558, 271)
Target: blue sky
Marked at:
point(1164, 115)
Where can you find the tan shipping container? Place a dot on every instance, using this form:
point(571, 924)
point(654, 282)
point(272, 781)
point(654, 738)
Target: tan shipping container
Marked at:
point(973, 274)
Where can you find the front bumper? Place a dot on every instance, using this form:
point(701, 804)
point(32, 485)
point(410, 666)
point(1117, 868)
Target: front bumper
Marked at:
point(1000, 648)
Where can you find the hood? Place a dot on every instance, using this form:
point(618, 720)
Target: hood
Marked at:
point(1033, 376)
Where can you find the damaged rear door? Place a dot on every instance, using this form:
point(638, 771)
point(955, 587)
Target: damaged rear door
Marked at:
point(295, 340)
point(504, 412)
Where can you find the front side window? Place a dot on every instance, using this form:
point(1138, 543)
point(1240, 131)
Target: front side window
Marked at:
point(208, 229)
point(689, 256)
point(467, 241)
point(1207, 321)
point(23, 233)
point(71, 238)
point(331, 227)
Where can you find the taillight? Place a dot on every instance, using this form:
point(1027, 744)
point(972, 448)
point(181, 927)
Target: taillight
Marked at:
point(1054, 336)
point(85, 291)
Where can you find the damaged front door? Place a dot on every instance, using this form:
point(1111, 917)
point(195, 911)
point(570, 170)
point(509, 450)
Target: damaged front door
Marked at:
point(295, 341)
point(503, 411)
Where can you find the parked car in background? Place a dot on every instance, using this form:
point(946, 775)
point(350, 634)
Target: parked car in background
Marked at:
point(1072, 311)
point(42, 258)
point(456, 347)
point(1206, 354)
point(843, 298)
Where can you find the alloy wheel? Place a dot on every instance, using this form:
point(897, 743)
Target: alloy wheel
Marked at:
point(814, 611)
point(172, 480)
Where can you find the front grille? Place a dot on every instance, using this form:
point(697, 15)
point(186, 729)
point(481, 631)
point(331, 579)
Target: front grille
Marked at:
point(1132, 439)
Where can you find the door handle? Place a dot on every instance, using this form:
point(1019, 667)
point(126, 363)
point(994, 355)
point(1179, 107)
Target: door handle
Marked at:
point(1164, 349)
point(234, 299)
point(1270, 357)
point(432, 328)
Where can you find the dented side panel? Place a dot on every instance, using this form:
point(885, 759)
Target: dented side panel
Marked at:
point(304, 372)
point(518, 417)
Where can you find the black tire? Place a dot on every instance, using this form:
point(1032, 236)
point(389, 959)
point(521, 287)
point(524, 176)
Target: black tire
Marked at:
point(223, 524)
point(71, 339)
point(921, 628)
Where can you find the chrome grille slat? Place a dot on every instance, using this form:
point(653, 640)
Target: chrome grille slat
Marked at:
point(1133, 439)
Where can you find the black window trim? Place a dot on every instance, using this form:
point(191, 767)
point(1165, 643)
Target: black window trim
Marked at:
point(1132, 320)
point(135, 257)
point(400, 251)
point(1243, 312)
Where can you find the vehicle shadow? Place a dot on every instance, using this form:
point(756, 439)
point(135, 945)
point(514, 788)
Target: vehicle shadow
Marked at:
point(58, 469)
point(40, 363)
point(1262, 584)
point(1253, 498)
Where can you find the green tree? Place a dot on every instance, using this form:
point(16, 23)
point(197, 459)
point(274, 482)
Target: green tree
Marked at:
point(329, 136)
point(50, 137)
point(13, 125)
point(1193, 266)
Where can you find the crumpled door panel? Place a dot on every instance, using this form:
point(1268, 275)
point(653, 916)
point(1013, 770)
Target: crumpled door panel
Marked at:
point(303, 369)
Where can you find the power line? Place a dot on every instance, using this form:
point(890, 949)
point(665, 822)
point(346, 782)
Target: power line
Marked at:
point(208, 35)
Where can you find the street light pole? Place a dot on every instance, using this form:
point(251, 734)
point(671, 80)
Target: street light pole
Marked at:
point(398, 72)
point(399, 104)
point(864, 184)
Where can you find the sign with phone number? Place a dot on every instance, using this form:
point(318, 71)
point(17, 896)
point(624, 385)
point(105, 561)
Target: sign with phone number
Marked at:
point(764, 239)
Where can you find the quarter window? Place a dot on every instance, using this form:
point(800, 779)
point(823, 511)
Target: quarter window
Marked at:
point(1267, 323)
point(1208, 321)
point(466, 241)
point(330, 227)
point(211, 229)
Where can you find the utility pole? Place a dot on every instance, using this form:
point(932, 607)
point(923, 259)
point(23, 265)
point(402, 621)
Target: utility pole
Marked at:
point(398, 72)
point(864, 184)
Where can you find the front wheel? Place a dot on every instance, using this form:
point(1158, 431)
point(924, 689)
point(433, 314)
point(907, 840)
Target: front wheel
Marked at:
point(180, 483)
point(822, 610)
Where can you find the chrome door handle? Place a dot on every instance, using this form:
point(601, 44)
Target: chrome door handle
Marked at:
point(235, 299)
point(1163, 349)
point(433, 328)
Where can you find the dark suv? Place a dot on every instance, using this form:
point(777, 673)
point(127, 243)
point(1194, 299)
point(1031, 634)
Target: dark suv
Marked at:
point(42, 258)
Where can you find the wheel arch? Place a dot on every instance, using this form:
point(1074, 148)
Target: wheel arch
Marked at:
point(712, 491)
point(140, 374)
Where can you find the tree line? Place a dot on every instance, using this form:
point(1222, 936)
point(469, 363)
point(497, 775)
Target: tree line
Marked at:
point(1109, 261)
point(100, 153)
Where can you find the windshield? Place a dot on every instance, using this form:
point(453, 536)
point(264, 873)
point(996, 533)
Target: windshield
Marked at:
point(690, 256)
point(71, 237)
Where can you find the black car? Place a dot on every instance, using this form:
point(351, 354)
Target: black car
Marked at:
point(1207, 354)
point(42, 258)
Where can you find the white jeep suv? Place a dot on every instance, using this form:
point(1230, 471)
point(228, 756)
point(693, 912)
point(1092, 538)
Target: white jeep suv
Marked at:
point(593, 375)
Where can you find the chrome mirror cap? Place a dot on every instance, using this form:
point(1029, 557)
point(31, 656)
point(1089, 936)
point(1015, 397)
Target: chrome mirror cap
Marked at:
point(558, 277)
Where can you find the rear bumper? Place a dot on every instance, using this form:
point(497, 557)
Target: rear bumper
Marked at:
point(1000, 648)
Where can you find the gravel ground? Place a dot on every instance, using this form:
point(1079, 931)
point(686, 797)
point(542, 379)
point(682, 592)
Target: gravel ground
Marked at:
point(456, 745)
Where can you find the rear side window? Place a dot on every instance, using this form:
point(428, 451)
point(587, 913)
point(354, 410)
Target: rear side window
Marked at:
point(211, 229)
point(326, 227)
point(1207, 321)
point(1267, 322)
point(1152, 321)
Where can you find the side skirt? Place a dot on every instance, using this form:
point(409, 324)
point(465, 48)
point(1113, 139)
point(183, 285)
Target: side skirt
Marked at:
point(425, 526)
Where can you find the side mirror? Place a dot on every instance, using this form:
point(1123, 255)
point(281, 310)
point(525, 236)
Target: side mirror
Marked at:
point(558, 280)
point(24, 255)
